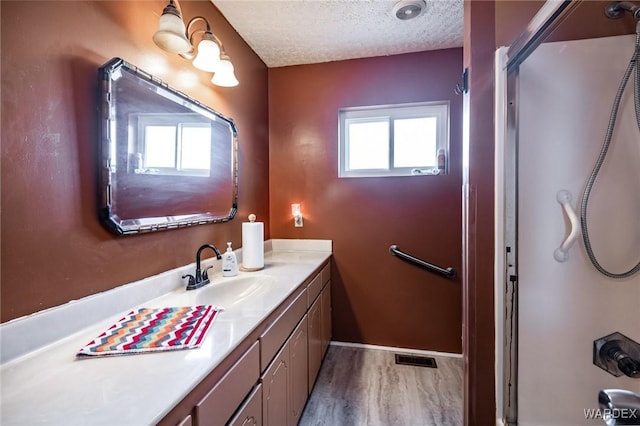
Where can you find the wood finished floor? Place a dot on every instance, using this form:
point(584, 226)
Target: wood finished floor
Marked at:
point(357, 387)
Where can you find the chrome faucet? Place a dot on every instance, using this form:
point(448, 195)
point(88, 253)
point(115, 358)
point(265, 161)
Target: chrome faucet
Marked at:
point(201, 278)
point(621, 407)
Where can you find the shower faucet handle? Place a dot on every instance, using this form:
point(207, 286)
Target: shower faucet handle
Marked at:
point(618, 355)
point(628, 366)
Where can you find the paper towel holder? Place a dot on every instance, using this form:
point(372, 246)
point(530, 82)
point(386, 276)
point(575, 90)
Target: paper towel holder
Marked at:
point(256, 261)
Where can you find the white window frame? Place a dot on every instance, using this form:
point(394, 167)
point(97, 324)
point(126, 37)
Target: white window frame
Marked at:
point(179, 122)
point(438, 109)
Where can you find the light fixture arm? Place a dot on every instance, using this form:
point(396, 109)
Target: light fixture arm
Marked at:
point(196, 19)
point(616, 9)
point(207, 33)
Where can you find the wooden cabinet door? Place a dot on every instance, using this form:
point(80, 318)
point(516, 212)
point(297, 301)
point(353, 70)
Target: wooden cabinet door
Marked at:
point(314, 319)
point(326, 317)
point(299, 372)
point(275, 390)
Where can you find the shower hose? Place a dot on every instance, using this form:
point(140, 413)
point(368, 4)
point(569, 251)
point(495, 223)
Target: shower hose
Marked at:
point(633, 65)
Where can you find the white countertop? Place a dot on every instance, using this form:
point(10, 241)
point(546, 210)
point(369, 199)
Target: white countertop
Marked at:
point(50, 386)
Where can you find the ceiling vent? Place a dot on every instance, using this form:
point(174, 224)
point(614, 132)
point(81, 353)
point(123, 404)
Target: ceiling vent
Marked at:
point(409, 9)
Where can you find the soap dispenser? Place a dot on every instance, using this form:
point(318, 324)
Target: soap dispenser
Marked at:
point(229, 263)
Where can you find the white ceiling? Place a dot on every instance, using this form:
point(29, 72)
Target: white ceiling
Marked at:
point(294, 32)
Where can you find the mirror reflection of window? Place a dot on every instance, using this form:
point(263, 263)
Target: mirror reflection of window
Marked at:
point(159, 147)
point(171, 145)
point(196, 148)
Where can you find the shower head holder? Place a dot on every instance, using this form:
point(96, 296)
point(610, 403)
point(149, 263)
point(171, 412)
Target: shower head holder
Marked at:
point(616, 9)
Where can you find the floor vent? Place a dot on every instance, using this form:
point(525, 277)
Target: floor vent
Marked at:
point(418, 361)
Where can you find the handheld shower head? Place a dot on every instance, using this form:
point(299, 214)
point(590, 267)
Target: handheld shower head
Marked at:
point(616, 9)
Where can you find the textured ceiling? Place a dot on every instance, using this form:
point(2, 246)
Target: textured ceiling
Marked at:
point(294, 32)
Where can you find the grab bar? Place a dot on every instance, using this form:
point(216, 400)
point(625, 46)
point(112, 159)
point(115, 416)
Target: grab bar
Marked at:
point(561, 254)
point(447, 272)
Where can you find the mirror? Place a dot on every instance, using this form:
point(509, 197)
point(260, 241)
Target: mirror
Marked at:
point(167, 161)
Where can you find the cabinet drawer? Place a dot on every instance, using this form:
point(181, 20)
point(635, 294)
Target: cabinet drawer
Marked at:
point(313, 289)
point(250, 414)
point(223, 399)
point(273, 338)
point(326, 273)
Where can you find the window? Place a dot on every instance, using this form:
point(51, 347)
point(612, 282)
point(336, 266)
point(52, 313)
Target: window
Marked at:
point(398, 140)
point(174, 144)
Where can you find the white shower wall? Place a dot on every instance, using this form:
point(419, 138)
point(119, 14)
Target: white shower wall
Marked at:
point(565, 98)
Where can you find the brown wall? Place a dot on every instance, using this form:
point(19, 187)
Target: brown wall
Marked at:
point(479, 350)
point(377, 298)
point(53, 247)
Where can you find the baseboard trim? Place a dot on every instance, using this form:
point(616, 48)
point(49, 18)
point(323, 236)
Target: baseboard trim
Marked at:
point(394, 349)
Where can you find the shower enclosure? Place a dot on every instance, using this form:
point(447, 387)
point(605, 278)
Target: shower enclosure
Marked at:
point(554, 103)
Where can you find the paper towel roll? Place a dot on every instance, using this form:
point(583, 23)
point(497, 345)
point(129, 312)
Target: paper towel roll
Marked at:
point(252, 246)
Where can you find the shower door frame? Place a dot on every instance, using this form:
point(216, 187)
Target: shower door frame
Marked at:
point(507, 64)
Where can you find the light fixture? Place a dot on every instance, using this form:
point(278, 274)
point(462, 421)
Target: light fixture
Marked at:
point(208, 57)
point(224, 75)
point(409, 9)
point(173, 37)
point(171, 31)
point(297, 215)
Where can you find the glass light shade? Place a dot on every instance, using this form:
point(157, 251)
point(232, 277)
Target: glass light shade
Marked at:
point(224, 75)
point(208, 57)
point(171, 34)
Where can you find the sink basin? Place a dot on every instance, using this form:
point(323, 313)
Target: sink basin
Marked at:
point(228, 292)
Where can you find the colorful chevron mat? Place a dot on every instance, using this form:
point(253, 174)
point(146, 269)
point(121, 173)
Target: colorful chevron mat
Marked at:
point(154, 329)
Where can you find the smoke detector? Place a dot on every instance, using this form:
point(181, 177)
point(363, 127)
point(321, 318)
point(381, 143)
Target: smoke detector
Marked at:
point(409, 9)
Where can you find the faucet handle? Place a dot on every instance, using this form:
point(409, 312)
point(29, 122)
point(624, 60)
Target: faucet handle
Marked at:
point(192, 280)
point(205, 276)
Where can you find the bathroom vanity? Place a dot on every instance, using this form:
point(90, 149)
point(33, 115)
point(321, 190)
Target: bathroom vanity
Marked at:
point(268, 378)
point(257, 364)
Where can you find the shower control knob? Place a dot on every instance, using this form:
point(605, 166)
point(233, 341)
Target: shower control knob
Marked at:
point(618, 355)
point(629, 366)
